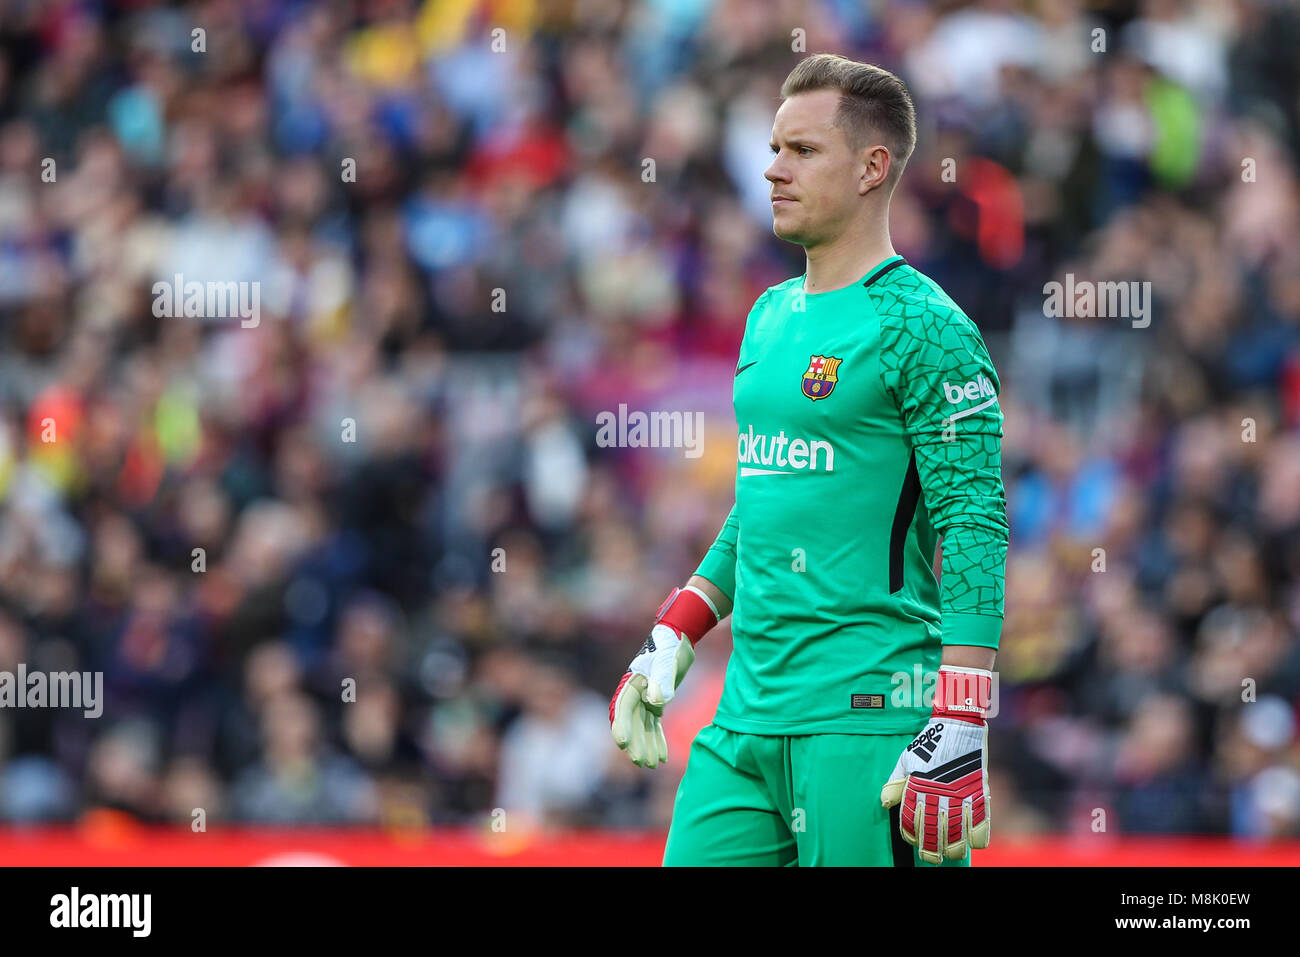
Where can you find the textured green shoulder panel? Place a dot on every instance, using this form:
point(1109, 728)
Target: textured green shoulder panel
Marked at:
point(934, 365)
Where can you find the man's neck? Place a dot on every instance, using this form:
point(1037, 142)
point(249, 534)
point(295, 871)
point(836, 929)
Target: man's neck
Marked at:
point(846, 260)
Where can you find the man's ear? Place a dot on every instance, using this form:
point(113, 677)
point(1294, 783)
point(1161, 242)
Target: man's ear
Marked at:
point(877, 163)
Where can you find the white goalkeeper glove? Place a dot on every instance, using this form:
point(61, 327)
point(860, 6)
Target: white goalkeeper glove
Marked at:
point(942, 776)
point(653, 676)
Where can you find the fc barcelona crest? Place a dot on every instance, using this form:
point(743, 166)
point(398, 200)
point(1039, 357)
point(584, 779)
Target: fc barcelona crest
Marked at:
point(819, 381)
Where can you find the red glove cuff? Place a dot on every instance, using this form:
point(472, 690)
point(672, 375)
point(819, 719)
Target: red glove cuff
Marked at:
point(963, 694)
point(687, 613)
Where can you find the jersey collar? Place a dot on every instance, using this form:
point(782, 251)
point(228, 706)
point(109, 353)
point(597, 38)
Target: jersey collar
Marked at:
point(893, 262)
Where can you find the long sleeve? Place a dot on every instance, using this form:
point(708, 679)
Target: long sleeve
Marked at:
point(719, 564)
point(935, 365)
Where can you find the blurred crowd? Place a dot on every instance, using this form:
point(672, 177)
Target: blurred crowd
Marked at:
point(365, 562)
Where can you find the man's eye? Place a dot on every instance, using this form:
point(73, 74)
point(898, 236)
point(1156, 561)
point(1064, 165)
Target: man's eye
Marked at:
point(805, 149)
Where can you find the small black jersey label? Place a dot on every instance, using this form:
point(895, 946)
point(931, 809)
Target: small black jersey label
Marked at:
point(868, 701)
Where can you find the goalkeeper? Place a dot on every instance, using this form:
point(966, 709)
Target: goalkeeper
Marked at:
point(869, 427)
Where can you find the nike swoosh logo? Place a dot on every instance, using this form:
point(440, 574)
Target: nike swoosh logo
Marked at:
point(740, 369)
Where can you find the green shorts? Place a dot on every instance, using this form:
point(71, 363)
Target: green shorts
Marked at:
point(807, 800)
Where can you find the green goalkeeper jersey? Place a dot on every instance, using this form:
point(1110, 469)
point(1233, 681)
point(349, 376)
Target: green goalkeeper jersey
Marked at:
point(868, 425)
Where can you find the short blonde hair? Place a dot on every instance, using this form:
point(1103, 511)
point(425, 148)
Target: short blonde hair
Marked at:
point(873, 102)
